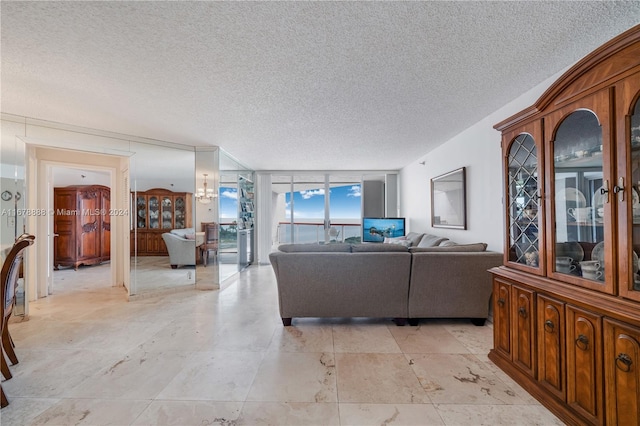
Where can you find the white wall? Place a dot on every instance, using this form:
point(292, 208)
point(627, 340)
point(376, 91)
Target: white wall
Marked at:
point(478, 149)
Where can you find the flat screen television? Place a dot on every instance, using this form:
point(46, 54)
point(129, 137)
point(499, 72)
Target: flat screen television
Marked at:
point(376, 229)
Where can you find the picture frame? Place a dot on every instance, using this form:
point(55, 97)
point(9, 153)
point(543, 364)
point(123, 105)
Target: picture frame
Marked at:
point(448, 200)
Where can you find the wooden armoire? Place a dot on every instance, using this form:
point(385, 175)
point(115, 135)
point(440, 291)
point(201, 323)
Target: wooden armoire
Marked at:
point(566, 302)
point(81, 225)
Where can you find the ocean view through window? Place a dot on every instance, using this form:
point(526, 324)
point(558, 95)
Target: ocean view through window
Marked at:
point(309, 214)
point(228, 217)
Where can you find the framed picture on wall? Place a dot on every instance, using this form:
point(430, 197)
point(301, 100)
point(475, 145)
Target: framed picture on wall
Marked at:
point(448, 200)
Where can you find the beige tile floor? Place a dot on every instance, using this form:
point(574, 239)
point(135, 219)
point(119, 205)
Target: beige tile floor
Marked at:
point(89, 357)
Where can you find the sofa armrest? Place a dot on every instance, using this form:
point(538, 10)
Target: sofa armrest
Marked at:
point(181, 250)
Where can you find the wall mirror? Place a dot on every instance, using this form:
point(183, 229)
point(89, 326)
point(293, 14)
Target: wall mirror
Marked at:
point(12, 187)
point(162, 188)
point(207, 222)
point(448, 200)
point(167, 188)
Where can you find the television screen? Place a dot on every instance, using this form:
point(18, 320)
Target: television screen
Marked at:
point(376, 229)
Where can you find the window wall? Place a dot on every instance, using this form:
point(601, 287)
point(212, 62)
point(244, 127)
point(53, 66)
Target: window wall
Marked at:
point(318, 207)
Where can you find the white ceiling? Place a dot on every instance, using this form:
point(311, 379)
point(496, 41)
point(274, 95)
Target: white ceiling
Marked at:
point(291, 85)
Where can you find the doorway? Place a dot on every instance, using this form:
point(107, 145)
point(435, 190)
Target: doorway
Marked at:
point(41, 163)
point(81, 229)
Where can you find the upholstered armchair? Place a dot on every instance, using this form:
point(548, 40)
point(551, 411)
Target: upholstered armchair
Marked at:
point(181, 245)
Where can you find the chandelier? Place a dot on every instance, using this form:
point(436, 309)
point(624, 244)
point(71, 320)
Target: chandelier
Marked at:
point(205, 195)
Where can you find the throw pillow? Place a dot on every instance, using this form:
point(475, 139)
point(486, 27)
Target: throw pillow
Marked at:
point(182, 232)
point(447, 243)
point(397, 240)
point(190, 236)
point(430, 240)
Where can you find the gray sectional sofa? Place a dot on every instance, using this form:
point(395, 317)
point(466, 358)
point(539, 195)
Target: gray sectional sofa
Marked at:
point(427, 277)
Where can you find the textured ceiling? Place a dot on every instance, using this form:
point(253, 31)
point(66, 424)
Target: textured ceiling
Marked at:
point(291, 85)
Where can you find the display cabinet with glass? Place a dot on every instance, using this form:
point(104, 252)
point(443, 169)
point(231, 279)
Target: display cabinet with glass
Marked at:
point(579, 196)
point(567, 299)
point(158, 211)
point(524, 203)
point(245, 221)
point(245, 203)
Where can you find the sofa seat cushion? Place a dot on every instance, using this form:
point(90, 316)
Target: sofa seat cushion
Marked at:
point(475, 247)
point(306, 248)
point(430, 240)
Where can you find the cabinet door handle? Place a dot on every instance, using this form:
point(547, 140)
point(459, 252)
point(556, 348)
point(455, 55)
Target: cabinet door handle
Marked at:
point(604, 190)
point(582, 342)
point(522, 312)
point(501, 302)
point(549, 326)
point(623, 362)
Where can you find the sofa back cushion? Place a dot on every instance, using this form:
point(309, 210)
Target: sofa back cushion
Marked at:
point(306, 248)
point(414, 237)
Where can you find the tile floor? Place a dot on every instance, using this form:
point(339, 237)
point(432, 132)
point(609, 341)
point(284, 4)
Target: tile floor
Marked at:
point(89, 357)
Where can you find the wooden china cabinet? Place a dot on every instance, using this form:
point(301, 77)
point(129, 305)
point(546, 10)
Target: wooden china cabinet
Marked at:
point(567, 299)
point(158, 211)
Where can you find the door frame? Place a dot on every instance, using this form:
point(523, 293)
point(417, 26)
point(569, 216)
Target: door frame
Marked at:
point(41, 158)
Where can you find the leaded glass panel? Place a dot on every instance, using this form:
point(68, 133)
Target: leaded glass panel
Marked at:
point(524, 201)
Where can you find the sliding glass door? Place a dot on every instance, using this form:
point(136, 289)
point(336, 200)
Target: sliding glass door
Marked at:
point(317, 208)
point(345, 208)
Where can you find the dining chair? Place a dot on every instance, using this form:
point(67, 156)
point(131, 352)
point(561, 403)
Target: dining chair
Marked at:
point(7, 341)
point(9, 281)
point(211, 240)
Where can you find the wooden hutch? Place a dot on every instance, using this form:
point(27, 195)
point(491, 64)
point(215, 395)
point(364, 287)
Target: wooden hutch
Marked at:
point(81, 225)
point(157, 211)
point(567, 299)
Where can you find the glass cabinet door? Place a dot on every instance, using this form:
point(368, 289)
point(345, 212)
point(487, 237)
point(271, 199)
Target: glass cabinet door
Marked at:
point(154, 212)
point(524, 203)
point(628, 201)
point(634, 197)
point(580, 237)
point(141, 208)
point(180, 213)
point(167, 213)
